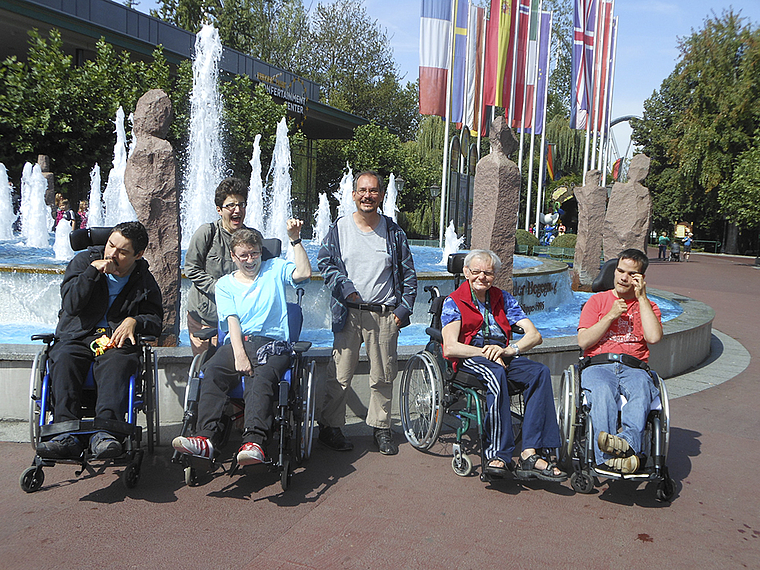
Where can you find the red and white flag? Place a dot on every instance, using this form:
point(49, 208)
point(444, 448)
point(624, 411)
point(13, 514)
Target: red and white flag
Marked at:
point(473, 113)
point(435, 55)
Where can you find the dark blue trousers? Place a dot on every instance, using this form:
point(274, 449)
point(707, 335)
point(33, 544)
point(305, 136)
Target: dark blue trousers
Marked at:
point(540, 421)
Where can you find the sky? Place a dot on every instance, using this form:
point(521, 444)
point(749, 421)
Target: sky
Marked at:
point(647, 42)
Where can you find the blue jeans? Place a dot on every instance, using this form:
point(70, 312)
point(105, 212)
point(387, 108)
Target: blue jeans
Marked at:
point(539, 428)
point(604, 383)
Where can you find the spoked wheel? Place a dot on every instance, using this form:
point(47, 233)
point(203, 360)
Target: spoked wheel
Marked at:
point(35, 395)
point(307, 412)
point(31, 479)
point(566, 415)
point(462, 464)
point(285, 475)
point(420, 402)
point(582, 483)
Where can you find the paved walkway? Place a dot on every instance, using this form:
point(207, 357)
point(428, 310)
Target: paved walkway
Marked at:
point(363, 510)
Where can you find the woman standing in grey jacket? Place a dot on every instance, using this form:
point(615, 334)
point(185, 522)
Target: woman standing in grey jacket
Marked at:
point(208, 258)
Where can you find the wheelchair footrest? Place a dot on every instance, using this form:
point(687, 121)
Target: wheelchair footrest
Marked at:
point(114, 427)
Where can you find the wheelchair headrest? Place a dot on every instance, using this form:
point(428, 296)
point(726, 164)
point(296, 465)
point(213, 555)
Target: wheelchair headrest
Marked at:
point(606, 278)
point(455, 263)
point(270, 248)
point(85, 237)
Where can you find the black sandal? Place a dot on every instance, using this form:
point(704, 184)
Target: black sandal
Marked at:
point(526, 469)
point(499, 471)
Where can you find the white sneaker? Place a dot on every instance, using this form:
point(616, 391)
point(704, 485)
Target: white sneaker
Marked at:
point(250, 454)
point(197, 446)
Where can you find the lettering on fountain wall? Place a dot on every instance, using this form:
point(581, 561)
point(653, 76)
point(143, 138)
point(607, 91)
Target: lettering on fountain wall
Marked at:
point(532, 295)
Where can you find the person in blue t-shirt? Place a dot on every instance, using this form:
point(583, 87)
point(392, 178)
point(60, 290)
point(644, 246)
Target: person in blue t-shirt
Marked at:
point(252, 310)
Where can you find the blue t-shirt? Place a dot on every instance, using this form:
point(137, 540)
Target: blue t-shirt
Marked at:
point(260, 306)
point(450, 312)
point(115, 285)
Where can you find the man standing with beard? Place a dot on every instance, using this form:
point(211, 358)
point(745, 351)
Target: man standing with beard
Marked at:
point(367, 264)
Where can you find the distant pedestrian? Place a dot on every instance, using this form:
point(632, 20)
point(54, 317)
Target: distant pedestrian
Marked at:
point(663, 241)
point(84, 208)
point(687, 243)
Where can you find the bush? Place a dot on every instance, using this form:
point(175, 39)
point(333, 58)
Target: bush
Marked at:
point(566, 240)
point(523, 237)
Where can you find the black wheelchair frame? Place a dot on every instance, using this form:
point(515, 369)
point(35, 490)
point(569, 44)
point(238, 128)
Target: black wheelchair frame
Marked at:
point(430, 388)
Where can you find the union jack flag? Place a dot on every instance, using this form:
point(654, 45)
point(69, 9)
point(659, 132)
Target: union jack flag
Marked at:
point(584, 21)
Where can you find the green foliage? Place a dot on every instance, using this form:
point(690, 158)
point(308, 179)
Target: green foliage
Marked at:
point(702, 127)
point(570, 145)
point(565, 240)
point(523, 237)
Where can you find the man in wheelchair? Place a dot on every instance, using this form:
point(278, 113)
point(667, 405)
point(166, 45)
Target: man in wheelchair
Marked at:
point(106, 291)
point(476, 332)
point(614, 332)
point(252, 310)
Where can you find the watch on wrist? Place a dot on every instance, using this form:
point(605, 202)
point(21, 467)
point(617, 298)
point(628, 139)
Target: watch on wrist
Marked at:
point(516, 348)
point(295, 242)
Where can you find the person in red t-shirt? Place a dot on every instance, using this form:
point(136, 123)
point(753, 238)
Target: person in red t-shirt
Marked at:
point(620, 321)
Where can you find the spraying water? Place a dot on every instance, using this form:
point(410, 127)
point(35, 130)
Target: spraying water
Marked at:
point(205, 161)
point(7, 217)
point(95, 217)
point(391, 195)
point(254, 217)
point(321, 219)
point(35, 214)
point(344, 195)
point(279, 173)
point(118, 207)
point(452, 243)
point(62, 245)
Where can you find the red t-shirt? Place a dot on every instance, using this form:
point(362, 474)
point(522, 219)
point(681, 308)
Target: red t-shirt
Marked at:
point(625, 335)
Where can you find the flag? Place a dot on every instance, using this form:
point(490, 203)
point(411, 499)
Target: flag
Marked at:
point(604, 33)
point(435, 55)
point(616, 167)
point(541, 78)
point(473, 114)
point(521, 61)
point(550, 161)
point(462, 10)
point(584, 23)
point(498, 61)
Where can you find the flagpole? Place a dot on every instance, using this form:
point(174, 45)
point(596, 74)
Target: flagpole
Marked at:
point(612, 86)
point(599, 63)
point(533, 116)
point(604, 96)
point(486, 16)
point(542, 166)
point(445, 169)
point(509, 115)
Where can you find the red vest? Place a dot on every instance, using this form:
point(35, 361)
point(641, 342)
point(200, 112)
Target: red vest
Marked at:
point(472, 319)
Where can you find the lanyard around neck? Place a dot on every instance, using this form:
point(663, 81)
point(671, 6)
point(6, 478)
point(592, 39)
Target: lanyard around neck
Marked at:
point(485, 328)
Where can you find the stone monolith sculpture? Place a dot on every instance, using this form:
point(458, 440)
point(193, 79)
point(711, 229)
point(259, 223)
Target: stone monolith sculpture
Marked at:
point(151, 182)
point(496, 201)
point(629, 211)
point(592, 202)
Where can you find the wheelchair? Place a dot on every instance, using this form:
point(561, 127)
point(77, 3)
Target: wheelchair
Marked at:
point(576, 454)
point(293, 407)
point(430, 389)
point(141, 397)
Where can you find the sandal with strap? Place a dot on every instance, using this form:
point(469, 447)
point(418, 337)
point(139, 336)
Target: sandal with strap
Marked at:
point(526, 469)
point(496, 467)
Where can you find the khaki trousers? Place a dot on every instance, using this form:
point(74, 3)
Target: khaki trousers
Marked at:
point(379, 334)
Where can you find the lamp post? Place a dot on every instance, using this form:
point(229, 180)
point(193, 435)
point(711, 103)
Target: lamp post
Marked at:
point(435, 191)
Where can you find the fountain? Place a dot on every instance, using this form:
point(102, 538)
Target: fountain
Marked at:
point(95, 217)
point(62, 247)
point(255, 210)
point(451, 244)
point(35, 214)
point(280, 209)
point(389, 202)
point(344, 195)
point(205, 160)
point(321, 219)
point(117, 205)
point(7, 217)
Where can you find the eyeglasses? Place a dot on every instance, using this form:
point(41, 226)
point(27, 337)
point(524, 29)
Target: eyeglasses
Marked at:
point(477, 272)
point(247, 255)
point(232, 205)
point(365, 191)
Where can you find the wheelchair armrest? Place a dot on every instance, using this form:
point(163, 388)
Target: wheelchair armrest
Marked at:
point(47, 338)
point(301, 346)
point(434, 334)
point(517, 329)
point(206, 334)
point(145, 338)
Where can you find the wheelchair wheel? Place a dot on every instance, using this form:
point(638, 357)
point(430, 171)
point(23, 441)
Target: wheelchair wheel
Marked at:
point(666, 489)
point(31, 479)
point(582, 483)
point(566, 415)
point(307, 409)
point(462, 465)
point(517, 411)
point(35, 393)
point(665, 418)
point(191, 478)
point(285, 475)
point(131, 475)
point(420, 401)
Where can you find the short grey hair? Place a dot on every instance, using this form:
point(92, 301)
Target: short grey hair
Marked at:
point(483, 254)
point(369, 173)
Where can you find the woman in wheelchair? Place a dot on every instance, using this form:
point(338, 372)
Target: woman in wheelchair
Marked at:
point(252, 309)
point(476, 333)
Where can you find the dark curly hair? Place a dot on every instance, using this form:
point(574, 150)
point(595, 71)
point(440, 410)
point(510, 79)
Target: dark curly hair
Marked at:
point(230, 187)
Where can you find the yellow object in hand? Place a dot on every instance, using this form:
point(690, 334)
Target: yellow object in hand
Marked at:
point(100, 345)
